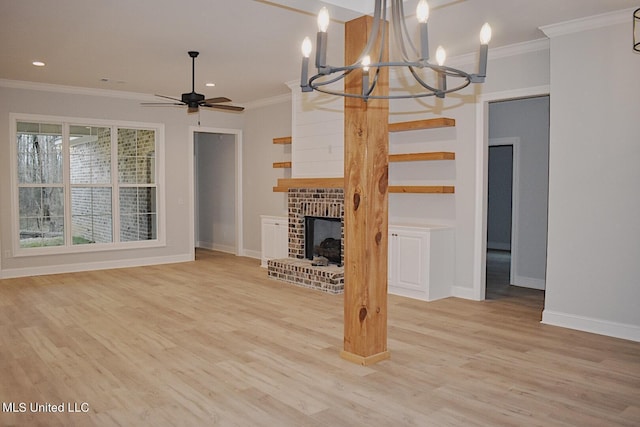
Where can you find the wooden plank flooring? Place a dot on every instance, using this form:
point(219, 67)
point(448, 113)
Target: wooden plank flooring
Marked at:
point(215, 342)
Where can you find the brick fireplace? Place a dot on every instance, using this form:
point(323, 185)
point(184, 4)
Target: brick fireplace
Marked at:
point(302, 203)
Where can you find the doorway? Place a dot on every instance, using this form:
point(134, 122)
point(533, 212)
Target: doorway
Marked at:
point(517, 196)
point(217, 190)
point(500, 197)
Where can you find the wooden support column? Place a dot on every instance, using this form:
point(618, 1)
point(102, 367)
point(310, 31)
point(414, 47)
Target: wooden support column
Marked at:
point(366, 147)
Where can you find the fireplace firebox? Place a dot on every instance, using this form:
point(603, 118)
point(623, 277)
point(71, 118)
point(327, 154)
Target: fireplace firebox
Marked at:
point(322, 238)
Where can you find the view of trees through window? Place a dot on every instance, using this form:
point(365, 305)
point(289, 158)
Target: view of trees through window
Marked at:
point(41, 189)
point(106, 204)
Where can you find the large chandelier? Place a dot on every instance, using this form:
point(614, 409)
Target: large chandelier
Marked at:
point(636, 30)
point(371, 58)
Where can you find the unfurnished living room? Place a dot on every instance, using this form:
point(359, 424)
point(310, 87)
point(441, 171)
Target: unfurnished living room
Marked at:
point(320, 213)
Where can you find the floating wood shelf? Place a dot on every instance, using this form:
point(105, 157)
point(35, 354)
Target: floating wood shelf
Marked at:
point(282, 165)
point(437, 189)
point(285, 183)
point(410, 157)
point(441, 122)
point(282, 140)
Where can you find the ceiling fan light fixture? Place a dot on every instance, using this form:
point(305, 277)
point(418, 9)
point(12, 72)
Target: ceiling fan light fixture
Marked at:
point(193, 100)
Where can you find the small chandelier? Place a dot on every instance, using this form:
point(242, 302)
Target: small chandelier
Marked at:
point(636, 30)
point(327, 74)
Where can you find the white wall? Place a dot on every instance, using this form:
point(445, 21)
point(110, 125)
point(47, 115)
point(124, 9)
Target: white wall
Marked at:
point(317, 149)
point(89, 104)
point(262, 124)
point(593, 273)
point(216, 191)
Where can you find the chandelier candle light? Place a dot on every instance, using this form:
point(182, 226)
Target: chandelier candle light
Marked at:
point(327, 74)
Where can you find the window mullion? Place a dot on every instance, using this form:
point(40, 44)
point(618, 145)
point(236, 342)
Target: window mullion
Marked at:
point(115, 192)
point(66, 183)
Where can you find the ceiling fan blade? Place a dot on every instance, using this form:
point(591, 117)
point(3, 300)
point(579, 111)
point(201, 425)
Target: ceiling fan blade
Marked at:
point(224, 107)
point(216, 100)
point(162, 103)
point(171, 98)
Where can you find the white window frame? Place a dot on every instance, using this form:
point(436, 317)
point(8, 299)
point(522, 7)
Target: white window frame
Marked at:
point(159, 241)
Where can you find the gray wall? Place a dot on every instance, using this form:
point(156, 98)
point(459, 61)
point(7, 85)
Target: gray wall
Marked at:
point(528, 120)
point(593, 273)
point(259, 177)
point(176, 195)
point(216, 191)
point(499, 197)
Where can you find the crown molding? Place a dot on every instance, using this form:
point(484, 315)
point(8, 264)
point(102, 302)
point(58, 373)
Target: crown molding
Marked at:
point(588, 23)
point(75, 90)
point(259, 103)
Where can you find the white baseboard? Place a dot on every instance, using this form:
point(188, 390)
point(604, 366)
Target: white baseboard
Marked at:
point(224, 248)
point(204, 245)
point(101, 265)
point(252, 254)
point(499, 246)
point(216, 247)
point(460, 292)
point(589, 324)
point(529, 282)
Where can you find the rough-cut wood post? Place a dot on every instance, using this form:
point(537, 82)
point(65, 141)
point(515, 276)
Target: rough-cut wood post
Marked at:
point(366, 147)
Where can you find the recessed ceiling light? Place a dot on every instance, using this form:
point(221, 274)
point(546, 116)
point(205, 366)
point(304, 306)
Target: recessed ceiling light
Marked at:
point(38, 63)
point(210, 84)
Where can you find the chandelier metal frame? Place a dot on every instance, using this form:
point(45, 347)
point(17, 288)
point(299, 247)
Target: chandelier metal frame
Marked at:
point(328, 74)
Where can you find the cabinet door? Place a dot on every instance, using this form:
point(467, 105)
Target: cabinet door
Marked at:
point(270, 233)
point(282, 240)
point(411, 253)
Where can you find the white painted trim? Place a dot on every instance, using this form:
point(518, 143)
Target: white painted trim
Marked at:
point(259, 103)
point(252, 254)
point(65, 121)
point(528, 282)
point(216, 247)
point(76, 90)
point(589, 23)
point(501, 52)
point(91, 266)
point(462, 292)
point(224, 248)
point(480, 215)
point(239, 207)
point(589, 324)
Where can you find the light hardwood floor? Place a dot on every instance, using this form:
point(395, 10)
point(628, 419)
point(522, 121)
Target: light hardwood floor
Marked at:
point(215, 342)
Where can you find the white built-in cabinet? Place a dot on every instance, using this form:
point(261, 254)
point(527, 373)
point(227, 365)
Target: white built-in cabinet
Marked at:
point(421, 261)
point(275, 238)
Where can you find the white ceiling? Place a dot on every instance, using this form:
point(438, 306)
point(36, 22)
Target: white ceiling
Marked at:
point(249, 48)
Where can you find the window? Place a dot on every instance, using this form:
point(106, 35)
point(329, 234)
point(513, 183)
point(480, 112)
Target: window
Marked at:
point(85, 184)
point(41, 190)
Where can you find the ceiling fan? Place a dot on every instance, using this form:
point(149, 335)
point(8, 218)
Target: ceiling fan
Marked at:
point(195, 100)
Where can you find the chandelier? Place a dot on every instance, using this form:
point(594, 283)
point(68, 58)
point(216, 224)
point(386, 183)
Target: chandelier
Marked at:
point(636, 30)
point(371, 58)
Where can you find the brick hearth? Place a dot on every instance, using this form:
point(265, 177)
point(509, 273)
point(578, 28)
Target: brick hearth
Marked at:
point(318, 202)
